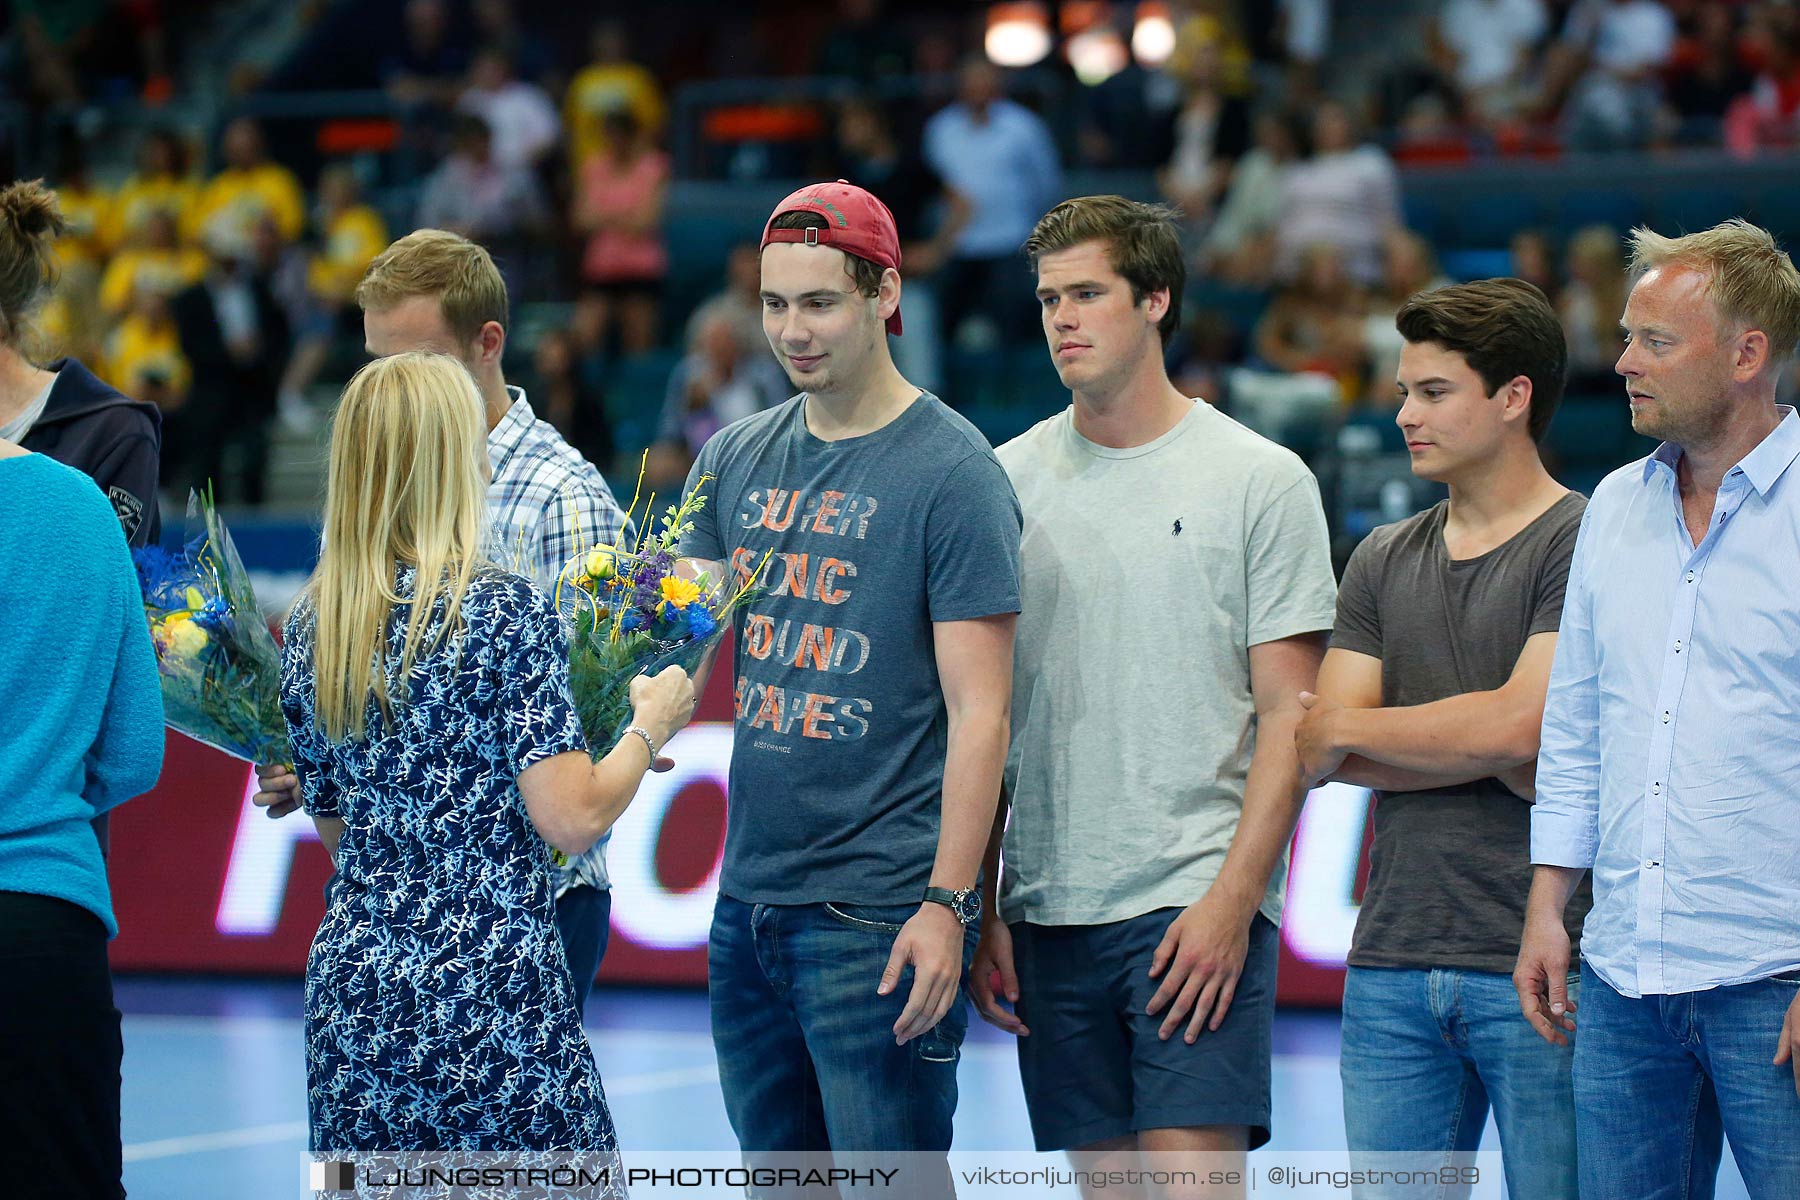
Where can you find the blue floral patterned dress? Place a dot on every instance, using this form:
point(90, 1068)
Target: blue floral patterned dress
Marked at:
point(439, 1010)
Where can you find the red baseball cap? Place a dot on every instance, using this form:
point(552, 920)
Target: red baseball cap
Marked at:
point(855, 222)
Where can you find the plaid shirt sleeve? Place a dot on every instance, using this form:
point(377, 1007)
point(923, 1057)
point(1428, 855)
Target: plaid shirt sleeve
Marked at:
point(547, 503)
point(580, 516)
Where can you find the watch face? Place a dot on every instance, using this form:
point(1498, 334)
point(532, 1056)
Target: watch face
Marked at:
point(965, 904)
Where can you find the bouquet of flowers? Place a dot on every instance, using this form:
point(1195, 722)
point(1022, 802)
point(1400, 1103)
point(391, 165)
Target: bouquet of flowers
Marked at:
point(221, 672)
point(631, 615)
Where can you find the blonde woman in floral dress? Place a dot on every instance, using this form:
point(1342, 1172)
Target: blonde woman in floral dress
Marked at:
point(439, 753)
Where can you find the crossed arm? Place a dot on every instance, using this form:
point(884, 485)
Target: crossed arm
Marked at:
point(1346, 735)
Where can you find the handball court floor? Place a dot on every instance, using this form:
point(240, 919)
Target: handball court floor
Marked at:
point(214, 1104)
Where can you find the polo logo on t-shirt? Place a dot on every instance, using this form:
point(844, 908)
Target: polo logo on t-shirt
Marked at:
point(1176, 532)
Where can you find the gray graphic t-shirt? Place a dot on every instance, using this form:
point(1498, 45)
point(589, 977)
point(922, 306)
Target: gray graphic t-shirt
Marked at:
point(838, 764)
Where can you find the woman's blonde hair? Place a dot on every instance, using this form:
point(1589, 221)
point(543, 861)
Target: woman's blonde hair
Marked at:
point(1600, 250)
point(406, 486)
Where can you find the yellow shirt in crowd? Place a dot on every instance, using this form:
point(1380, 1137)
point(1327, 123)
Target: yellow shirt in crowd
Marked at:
point(600, 89)
point(352, 240)
point(139, 351)
point(243, 195)
point(63, 330)
point(86, 211)
point(143, 195)
point(168, 271)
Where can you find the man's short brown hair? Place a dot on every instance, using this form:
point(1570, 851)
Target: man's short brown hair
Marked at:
point(1503, 328)
point(435, 262)
point(1142, 245)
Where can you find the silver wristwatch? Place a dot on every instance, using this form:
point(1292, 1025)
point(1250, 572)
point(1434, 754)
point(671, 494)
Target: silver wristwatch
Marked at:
point(964, 902)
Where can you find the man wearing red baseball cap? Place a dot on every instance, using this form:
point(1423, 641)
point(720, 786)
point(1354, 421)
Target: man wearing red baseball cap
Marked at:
point(851, 220)
point(873, 685)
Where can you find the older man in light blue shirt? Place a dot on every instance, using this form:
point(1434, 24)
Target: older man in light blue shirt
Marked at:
point(1669, 762)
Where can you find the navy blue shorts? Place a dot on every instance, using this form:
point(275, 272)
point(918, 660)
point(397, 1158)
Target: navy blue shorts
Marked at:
point(1093, 1066)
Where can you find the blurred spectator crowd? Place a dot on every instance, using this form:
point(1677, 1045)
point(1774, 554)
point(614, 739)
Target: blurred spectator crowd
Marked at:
point(228, 260)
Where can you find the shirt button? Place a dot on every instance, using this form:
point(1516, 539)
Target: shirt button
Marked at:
point(1665, 716)
point(1678, 645)
point(1652, 864)
point(1690, 577)
point(1656, 789)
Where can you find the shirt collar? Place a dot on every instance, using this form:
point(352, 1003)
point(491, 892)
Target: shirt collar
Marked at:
point(1667, 454)
point(505, 437)
point(1762, 466)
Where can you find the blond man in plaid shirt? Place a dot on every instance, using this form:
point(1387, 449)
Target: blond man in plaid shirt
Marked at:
point(439, 292)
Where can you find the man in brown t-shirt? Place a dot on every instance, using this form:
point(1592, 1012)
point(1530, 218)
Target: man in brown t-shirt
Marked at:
point(1432, 694)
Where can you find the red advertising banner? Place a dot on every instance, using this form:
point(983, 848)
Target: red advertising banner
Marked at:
point(203, 881)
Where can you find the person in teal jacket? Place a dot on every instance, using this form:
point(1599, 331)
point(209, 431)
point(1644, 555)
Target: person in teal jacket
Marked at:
point(80, 732)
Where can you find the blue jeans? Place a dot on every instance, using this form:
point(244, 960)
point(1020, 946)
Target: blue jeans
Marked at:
point(1660, 1079)
point(1426, 1053)
point(807, 1059)
point(584, 920)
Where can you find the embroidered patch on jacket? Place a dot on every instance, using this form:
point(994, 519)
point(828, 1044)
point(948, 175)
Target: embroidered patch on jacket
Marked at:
point(128, 508)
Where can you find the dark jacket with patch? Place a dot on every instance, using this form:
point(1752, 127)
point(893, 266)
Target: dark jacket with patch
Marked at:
point(114, 440)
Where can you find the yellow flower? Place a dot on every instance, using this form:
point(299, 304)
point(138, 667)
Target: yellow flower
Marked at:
point(195, 601)
point(679, 592)
point(182, 636)
point(599, 565)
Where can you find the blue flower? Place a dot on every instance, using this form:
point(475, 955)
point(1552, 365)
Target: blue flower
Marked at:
point(162, 574)
point(700, 622)
point(633, 622)
point(213, 616)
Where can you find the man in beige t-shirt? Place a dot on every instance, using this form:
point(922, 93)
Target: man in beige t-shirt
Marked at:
point(1176, 583)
